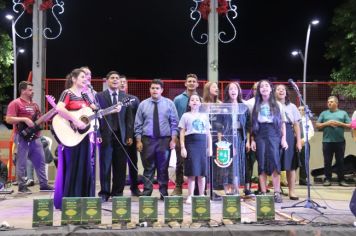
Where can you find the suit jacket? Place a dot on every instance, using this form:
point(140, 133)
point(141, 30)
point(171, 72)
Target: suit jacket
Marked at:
point(134, 107)
point(125, 119)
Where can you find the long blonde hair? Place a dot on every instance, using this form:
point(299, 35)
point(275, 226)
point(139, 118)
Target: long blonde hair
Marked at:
point(206, 94)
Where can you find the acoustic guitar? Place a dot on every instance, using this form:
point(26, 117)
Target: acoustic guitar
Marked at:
point(67, 134)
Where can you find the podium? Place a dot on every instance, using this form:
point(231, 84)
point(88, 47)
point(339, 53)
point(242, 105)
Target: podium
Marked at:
point(226, 171)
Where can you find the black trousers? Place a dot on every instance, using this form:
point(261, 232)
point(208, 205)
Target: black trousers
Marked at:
point(329, 150)
point(112, 156)
point(155, 156)
point(132, 164)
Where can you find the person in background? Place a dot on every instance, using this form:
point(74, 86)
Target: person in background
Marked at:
point(235, 174)
point(303, 124)
point(211, 95)
point(181, 104)
point(250, 155)
point(195, 141)
point(289, 157)
point(268, 134)
point(333, 123)
point(130, 147)
point(156, 130)
point(116, 132)
point(23, 109)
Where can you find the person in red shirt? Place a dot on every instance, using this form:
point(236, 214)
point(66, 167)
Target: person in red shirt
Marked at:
point(22, 112)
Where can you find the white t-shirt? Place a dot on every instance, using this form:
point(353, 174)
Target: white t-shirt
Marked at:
point(265, 115)
point(194, 123)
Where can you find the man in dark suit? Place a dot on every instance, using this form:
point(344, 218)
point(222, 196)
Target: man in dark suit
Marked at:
point(131, 149)
point(116, 131)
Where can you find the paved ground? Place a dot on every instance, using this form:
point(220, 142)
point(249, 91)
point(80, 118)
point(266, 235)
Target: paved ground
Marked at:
point(16, 209)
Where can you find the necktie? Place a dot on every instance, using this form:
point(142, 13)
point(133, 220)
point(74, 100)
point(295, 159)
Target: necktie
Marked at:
point(156, 131)
point(115, 117)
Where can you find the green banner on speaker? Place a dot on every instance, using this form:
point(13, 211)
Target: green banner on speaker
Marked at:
point(232, 208)
point(91, 210)
point(42, 212)
point(71, 210)
point(148, 209)
point(200, 209)
point(121, 210)
point(265, 207)
point(173, 209)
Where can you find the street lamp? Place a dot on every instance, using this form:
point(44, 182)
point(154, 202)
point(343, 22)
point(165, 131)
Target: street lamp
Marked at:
point(313, 22)
point(11, 18)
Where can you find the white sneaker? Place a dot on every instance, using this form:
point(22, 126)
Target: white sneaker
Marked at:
point(189, 200)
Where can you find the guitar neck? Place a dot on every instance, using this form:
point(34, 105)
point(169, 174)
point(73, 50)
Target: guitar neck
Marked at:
point(104, 112)
point(46, 116)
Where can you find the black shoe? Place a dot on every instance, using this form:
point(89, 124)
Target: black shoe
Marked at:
point(46, 188)
point(216, 197)
point(104, 198)
point(146, 193)
point(343, 183)
point(303, 182)
point(24, 190)
point(30, 183)
point(136, 192)
point(326, 183)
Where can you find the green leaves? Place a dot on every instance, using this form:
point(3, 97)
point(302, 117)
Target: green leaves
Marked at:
point(342, 48)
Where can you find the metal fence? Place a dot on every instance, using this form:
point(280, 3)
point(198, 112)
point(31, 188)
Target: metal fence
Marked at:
point(317, 92)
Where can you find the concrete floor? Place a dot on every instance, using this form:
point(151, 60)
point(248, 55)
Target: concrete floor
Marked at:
point(16, 209)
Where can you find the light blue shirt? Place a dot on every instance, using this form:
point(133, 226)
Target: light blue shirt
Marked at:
point(167, 115)
point(181, 102)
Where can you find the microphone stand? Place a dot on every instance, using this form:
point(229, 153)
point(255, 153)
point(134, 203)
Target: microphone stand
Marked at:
point(309, 203)
point(93, 154)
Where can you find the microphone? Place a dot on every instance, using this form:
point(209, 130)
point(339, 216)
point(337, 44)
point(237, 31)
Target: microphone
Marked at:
point(90, 86)
point(86, 98)
point(294, 85)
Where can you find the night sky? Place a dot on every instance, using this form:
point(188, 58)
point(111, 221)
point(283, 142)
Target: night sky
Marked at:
point(147, 39)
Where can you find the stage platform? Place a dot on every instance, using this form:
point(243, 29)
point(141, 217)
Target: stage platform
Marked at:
point(337, 219)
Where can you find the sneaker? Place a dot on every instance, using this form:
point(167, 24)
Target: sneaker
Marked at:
point(46, 188)
point(327, 183)
point(278, 197)
point(343, 184)
point(248, 192)
point(24, 190)
point(189, 200)
point(30, 183)
point(177, 191)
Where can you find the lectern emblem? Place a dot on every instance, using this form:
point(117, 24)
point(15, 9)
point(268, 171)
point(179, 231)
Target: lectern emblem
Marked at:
point(223, 158)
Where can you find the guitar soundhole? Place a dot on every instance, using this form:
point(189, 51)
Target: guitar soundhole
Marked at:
point(85, 119)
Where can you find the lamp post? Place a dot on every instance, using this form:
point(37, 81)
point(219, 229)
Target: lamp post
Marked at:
point(313, 22)
point(11, 17)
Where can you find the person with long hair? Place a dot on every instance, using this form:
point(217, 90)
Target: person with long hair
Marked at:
point(74, 175)
point(289, 157)
point(195, 140)
point(235, 125)
point(211, 96)
point(268, 134)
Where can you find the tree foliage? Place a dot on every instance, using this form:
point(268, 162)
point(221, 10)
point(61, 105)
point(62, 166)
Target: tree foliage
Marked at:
point(342, 48)
point(6, 61)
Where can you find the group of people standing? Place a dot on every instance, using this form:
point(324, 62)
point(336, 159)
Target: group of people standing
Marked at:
point(266, 128)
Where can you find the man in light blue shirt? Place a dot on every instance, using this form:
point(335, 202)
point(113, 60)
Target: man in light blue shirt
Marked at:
point(155, 136)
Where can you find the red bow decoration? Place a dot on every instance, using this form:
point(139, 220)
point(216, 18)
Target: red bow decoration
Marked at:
point(222, 7)
point(204, 8)
point(45, 5)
